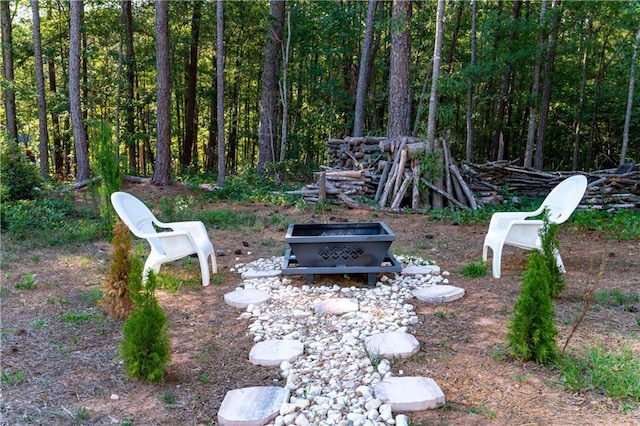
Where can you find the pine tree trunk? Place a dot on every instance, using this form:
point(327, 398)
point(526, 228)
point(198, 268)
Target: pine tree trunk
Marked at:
point(162, 167)
point(7, 71)
point(399, 87)
point(42, 101)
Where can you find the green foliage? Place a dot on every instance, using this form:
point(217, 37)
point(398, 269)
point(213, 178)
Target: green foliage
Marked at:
point(474, 269)
point(145, 346)
point(28, 282)
point(617, 373)
point(532, 332)
point(623, 224)
point(116, 300)
point(431, 166)
point(56, 216)
point(19, 178)
point(182, 209)
point(549, 237)
point(107, 165)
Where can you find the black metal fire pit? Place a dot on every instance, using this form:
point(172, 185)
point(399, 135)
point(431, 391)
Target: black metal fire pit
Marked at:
point(339, 248)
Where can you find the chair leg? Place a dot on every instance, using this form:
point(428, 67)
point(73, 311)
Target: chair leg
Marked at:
point(559, 261)
point(204, 269)
point(214, 263)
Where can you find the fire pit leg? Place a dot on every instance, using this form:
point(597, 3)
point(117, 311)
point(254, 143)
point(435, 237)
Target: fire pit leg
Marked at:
point(308, 279)
point(372, 278)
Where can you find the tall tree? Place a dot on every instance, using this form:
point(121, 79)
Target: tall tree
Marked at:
point(363, 73)
point(437, 50)
point(627, 119)
point(42, 101)
point(7, 71)
point(129, 83)
point(189, 148)
point(399, 86)
point(535, 88)
point(266, 132)
point(220, 90)
point(79, 132)
point(162, 169)
point(583, 86)
point(469, 112)
point(546, 85)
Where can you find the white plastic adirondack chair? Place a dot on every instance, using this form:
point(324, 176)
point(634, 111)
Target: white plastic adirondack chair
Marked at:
point(514, 229)
point(181, 239)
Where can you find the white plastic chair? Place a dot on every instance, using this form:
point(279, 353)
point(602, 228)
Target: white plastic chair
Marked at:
point(514, 229)
point(181, 239)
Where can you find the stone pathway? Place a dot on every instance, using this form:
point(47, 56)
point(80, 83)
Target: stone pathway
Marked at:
point(333, 345)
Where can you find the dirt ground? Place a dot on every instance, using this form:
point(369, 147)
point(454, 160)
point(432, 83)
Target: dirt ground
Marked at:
point(59, 363)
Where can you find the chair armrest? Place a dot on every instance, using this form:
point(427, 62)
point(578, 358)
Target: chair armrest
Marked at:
point(500, 221)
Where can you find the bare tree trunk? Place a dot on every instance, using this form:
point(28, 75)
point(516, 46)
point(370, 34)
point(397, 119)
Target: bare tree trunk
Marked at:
point(469, 117)
point(433, 97)
point(498, 137)
point(162, 168)
point(79, 133)
point(535, 89)
point(283, 92)
point(266, 133)
point(627, 119)
point(42, 101)
point(583, 85)
point(399, 88)
point(128, 109)
point(190, 145)
point(546, 85)
point(438, 201)
point(7, 71)
point(363, 74)
point(220, 89)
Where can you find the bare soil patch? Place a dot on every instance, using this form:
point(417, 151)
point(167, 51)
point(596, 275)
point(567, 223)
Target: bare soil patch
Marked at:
point(59, 363)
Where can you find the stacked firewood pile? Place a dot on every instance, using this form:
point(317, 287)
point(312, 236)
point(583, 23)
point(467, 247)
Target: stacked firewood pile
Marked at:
point(607, 189)
point(390, 174)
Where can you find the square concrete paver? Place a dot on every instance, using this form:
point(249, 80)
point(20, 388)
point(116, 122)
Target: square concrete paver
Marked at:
point(253, 406)
point(409, 393)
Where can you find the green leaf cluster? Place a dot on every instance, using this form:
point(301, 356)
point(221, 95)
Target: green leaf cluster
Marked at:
point(19, 178)
point(145, 348)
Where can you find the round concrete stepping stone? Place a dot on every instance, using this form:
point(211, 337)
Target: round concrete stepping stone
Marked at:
point(242, 298)
point(392, 344)
point(337, 306)
point(273, 352)
point(409, 393)
point(421, 270)
point(440, 293)
point(253, 406)
point(254, 274)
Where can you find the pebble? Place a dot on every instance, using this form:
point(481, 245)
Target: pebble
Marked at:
point(333, 382)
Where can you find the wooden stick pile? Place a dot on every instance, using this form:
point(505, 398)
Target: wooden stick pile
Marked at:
point(407, 173)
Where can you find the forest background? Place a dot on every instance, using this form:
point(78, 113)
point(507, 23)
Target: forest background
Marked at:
point(192, 87)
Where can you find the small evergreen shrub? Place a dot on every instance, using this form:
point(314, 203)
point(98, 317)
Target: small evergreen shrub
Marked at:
point(116, 299)
point(19, 178)
point(532, 332)
point(107, 165)
point(145, 346)
point(549, 238)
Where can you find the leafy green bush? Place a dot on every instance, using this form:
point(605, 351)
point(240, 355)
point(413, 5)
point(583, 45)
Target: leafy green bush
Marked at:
point(19, 178)
point(531, 334)
point(145, 346)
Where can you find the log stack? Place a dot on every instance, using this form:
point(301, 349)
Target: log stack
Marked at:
point(390, 175)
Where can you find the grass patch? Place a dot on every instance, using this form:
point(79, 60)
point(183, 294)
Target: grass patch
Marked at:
point(616, 373)
point(78, 317)
point(474, 269)
point(615, 298)
point(28, 282)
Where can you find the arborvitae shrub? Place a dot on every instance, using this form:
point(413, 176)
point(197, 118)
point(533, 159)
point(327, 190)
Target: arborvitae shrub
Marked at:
point(549, 239)
point(116, 299)
point(145, 346)
point(532, 331)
